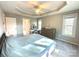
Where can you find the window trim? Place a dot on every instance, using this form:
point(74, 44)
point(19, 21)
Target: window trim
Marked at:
point(74, 25)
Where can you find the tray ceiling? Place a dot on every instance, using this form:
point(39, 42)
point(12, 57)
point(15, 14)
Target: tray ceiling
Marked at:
point(37, 8)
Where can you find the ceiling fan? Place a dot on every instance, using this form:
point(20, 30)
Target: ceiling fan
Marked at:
point(40, 7)
point(36, 5)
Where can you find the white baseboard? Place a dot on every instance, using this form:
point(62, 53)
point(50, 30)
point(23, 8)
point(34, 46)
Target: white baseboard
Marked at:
point(69, 42)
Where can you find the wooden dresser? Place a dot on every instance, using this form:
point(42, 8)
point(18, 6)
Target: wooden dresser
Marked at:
point(50, 33)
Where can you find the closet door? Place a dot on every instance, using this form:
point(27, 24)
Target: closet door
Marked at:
point(11, 26)
point(26, 26)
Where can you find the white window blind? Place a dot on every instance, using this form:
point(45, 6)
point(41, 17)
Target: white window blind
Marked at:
point(11, 26)
point(39, 24)
point(26, 26)
point(69, 26)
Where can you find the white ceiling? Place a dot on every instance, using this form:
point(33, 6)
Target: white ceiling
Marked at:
point(9, 7)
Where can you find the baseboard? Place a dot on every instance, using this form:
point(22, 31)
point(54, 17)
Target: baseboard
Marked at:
point(68, 42)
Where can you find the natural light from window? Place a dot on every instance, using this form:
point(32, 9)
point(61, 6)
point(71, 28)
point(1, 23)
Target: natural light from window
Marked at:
point(26, 26)
point(69, 26)
point(11, 26)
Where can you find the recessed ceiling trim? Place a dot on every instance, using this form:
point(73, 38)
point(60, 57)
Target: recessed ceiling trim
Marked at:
point(65, 3)
point(20, 9)
point(24, 12)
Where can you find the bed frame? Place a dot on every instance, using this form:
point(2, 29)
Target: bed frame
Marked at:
point(2, 40)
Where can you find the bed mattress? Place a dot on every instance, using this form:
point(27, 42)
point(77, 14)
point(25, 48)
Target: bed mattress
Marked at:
point(33, 45)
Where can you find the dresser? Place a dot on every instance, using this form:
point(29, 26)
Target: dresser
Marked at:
point(50, 33)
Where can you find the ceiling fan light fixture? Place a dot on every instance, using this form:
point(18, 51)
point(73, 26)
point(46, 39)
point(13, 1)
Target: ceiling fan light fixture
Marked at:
point(38, 11)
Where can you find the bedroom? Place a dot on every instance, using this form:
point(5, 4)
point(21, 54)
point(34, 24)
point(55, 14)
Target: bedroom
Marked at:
point(24, 24)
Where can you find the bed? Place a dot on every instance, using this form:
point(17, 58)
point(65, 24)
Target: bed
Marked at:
point(34, 45)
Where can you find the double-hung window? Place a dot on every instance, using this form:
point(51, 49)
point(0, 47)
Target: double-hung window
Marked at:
point(11, 27)
point(69, 25)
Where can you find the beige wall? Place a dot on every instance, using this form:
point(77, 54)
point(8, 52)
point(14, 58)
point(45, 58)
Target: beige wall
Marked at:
point(1, 22)
point(55, 21)
point(19, 25)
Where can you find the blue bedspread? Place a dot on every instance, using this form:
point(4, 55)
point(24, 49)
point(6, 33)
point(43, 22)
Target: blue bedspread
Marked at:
point(33, 45)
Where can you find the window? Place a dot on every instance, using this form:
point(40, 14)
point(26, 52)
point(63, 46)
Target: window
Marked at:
point(26, 26)
point(39, 24)
point(69, 26)
point(11, 26)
